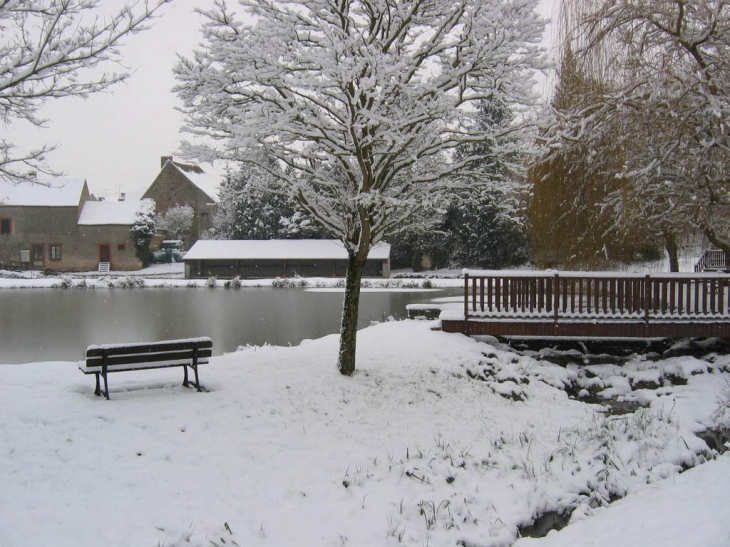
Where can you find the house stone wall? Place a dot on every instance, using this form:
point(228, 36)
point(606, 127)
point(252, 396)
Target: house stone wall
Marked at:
point(121, 246)
point(172, 188)
point(47, 226)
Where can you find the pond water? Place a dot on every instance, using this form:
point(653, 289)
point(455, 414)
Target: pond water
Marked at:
point(57, 325)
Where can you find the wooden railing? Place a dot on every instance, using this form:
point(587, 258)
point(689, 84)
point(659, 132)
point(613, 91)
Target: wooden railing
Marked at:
point(595, 295)
point(711, 259)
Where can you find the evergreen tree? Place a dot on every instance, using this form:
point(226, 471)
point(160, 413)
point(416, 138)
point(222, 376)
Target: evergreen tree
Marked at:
point(143, 230)
point(253, 206)
point(481, 234)
point(479, 224)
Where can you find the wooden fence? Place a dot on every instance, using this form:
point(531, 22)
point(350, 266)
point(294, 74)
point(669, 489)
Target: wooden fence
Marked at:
point(594, 304)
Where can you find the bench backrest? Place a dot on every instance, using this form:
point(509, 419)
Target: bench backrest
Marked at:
point(168, 353)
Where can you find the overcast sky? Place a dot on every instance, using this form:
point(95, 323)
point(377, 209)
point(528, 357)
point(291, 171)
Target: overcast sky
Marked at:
point(115, 139)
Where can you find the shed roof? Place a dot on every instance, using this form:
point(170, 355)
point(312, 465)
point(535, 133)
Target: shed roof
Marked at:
point(277, 249)
point(44, 192)
point(104, 213)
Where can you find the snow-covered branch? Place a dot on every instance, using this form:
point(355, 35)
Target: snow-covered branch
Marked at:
point(364, 104)
point(51, 49)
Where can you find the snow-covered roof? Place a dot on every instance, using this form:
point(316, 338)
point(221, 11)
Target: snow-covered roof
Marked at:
point(205, 182)
point(44, 192)
point(101, 213)
point(276, 249)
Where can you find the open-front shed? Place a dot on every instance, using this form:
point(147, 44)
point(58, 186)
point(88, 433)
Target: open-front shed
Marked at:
point(278, 257)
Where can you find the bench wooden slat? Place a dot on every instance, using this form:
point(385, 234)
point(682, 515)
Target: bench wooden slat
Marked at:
point(140, 365)
point(152, 358)
point(152, 347)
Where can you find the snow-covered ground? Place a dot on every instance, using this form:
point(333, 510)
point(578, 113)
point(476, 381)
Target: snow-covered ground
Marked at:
point(437, 440)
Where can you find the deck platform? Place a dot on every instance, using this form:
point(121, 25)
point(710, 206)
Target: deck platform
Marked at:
point(592, 305)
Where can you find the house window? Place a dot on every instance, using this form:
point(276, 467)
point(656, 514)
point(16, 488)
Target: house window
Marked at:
point(6, 226)
point(121, 247)
point(55, 250)
point(37, 253)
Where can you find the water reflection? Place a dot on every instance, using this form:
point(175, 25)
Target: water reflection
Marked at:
point(52, 324)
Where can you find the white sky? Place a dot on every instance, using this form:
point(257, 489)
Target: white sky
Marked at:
point(115, 139)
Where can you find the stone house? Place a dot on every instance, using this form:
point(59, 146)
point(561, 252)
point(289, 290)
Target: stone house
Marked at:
point(57, 225)
point(183, 184)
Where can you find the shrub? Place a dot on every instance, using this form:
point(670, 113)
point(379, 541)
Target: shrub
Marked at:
point(234, 283)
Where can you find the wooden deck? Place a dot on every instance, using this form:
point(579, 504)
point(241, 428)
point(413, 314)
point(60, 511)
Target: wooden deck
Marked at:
point(593, 305)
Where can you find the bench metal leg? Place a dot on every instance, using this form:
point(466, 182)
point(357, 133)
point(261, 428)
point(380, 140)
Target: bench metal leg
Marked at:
point(193, 365)
point(187, 382)
point(97, 390)
point(106, 385)
point(103, 373)
point(197, 382)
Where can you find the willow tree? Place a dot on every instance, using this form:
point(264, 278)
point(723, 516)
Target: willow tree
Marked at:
point(571, 224)
point(363, 103)
point(667, 66)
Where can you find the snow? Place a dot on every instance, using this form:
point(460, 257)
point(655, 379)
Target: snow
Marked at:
point(687, 509)
point(196, 340)
point(277, 249)
point(438, 439)
point(96, 213)
point(46, 192)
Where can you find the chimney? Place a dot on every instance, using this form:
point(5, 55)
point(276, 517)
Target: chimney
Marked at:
point(164, 160)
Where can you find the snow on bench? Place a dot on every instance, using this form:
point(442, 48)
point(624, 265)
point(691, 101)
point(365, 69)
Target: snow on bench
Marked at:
point(106, 358)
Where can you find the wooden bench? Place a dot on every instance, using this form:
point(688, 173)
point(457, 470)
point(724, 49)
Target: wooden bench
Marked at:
point(103, 359)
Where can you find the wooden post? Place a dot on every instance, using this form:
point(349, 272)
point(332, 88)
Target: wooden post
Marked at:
point(466, 304)
point(647, 303)
point(481, 294)
point(556, 296)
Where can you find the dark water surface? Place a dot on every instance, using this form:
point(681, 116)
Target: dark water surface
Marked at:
point(57, 324)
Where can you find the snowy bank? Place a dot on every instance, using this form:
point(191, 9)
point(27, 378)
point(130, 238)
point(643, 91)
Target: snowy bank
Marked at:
point(171, 276)
point(438, 439)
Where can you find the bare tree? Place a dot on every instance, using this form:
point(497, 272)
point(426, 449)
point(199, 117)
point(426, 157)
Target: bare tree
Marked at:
point(51, 49)
point(363, 102)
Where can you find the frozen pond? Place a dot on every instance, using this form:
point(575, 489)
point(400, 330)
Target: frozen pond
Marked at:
point(57, 324)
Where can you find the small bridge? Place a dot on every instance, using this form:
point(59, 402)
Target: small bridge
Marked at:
point(592, 305)
point(712, 260)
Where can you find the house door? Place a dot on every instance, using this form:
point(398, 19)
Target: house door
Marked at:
point(105, 254)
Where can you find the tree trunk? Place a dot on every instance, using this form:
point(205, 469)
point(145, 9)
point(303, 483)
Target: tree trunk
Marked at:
point(670, 245)
point(350, 309)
